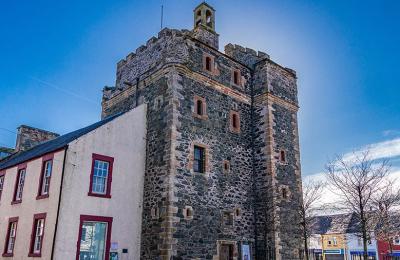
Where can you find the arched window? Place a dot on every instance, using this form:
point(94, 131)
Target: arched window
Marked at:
point(208, 18)
point(199, 107)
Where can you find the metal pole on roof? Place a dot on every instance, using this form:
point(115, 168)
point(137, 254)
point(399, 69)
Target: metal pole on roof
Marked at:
point(162, 16)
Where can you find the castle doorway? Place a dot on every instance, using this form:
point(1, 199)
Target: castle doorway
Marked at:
point(226, 252)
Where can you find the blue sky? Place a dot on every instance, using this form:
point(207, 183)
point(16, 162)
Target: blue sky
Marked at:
point(56, 56)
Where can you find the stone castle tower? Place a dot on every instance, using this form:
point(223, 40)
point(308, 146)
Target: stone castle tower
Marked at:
point(223, 166)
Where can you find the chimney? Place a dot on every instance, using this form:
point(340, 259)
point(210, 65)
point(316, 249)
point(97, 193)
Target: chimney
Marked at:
point(28, 137)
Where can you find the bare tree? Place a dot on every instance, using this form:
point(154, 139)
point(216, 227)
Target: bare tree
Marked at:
point(385, 203)
point(356, 179)
point(309, 206)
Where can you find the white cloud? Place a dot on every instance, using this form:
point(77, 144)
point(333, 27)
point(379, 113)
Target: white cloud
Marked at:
point(382, 150)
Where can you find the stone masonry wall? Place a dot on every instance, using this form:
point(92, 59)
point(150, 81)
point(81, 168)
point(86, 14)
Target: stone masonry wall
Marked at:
point(167, 74)
point(28, 137)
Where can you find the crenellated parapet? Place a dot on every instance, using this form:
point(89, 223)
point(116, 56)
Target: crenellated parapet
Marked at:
point(246, 56)
point(167, 47)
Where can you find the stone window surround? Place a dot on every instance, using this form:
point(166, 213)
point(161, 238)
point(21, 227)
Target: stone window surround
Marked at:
point(37, 217)
point(45, 158)
point(91, 218)
point(281, 191)
point(20, 167)
point(212, 63)
point(238, 213)
point(204, 115)
point(227, 169)
point(282, 156)
point(206, 159)
point(155, 213)
point(10, 220)
point(239, 78)
point(110, 161)
point(185, 211)
point(233, 129)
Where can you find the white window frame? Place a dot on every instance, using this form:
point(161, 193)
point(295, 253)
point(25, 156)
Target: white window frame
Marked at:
point(20, 185)
point(96, 177)
point(11, 237)
point(39, 230)
point(48, 169)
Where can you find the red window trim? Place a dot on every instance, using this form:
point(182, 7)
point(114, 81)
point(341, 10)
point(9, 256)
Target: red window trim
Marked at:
point(2, 174)
point(10, 220)
point(46, 158)
point(36, 217)
point(108, 220)
point(19, 168)
point(110, 160)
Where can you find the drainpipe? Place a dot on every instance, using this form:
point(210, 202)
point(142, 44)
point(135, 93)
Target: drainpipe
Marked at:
point(59, 203)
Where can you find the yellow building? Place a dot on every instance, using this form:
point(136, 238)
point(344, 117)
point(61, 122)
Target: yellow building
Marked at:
point(334, 246)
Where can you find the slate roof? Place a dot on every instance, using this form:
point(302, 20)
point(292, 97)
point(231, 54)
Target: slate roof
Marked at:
point(52, 145)
point(340, 223)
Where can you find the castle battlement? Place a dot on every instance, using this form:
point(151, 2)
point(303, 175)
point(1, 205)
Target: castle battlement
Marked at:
point(247, 56)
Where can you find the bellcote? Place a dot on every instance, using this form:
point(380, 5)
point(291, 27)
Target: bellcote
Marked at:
point(204, 15)
point(204, 25)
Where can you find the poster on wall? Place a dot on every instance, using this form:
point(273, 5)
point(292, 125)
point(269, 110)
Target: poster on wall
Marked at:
point(113, 255)
point(246, 252)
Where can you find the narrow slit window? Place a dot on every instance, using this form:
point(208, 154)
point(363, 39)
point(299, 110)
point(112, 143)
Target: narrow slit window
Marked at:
point(236, 78)
point(199, 107)
point(282, 156)
point(199, 159)
point(208, 63)
point(235, 121)
point(284, 193)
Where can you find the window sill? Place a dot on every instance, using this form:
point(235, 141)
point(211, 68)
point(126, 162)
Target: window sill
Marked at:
point(202, 117)
point(234, 131)
point(8, 254)
point(39, 197)
point(107, 196)
point(35, 255)
point(16, 202)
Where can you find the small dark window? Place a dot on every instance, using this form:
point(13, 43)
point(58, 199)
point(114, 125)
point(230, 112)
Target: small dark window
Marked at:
point(236, 77)
point(188, 213)
point(282, 156)
point(199, 13)
point(199, 159)
point(284, 193)
point(208, 63)
point(235, 121)
point(198, 22)
point(199, 107)
point(226, 166)
point(237, 212)
point(228, 218)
